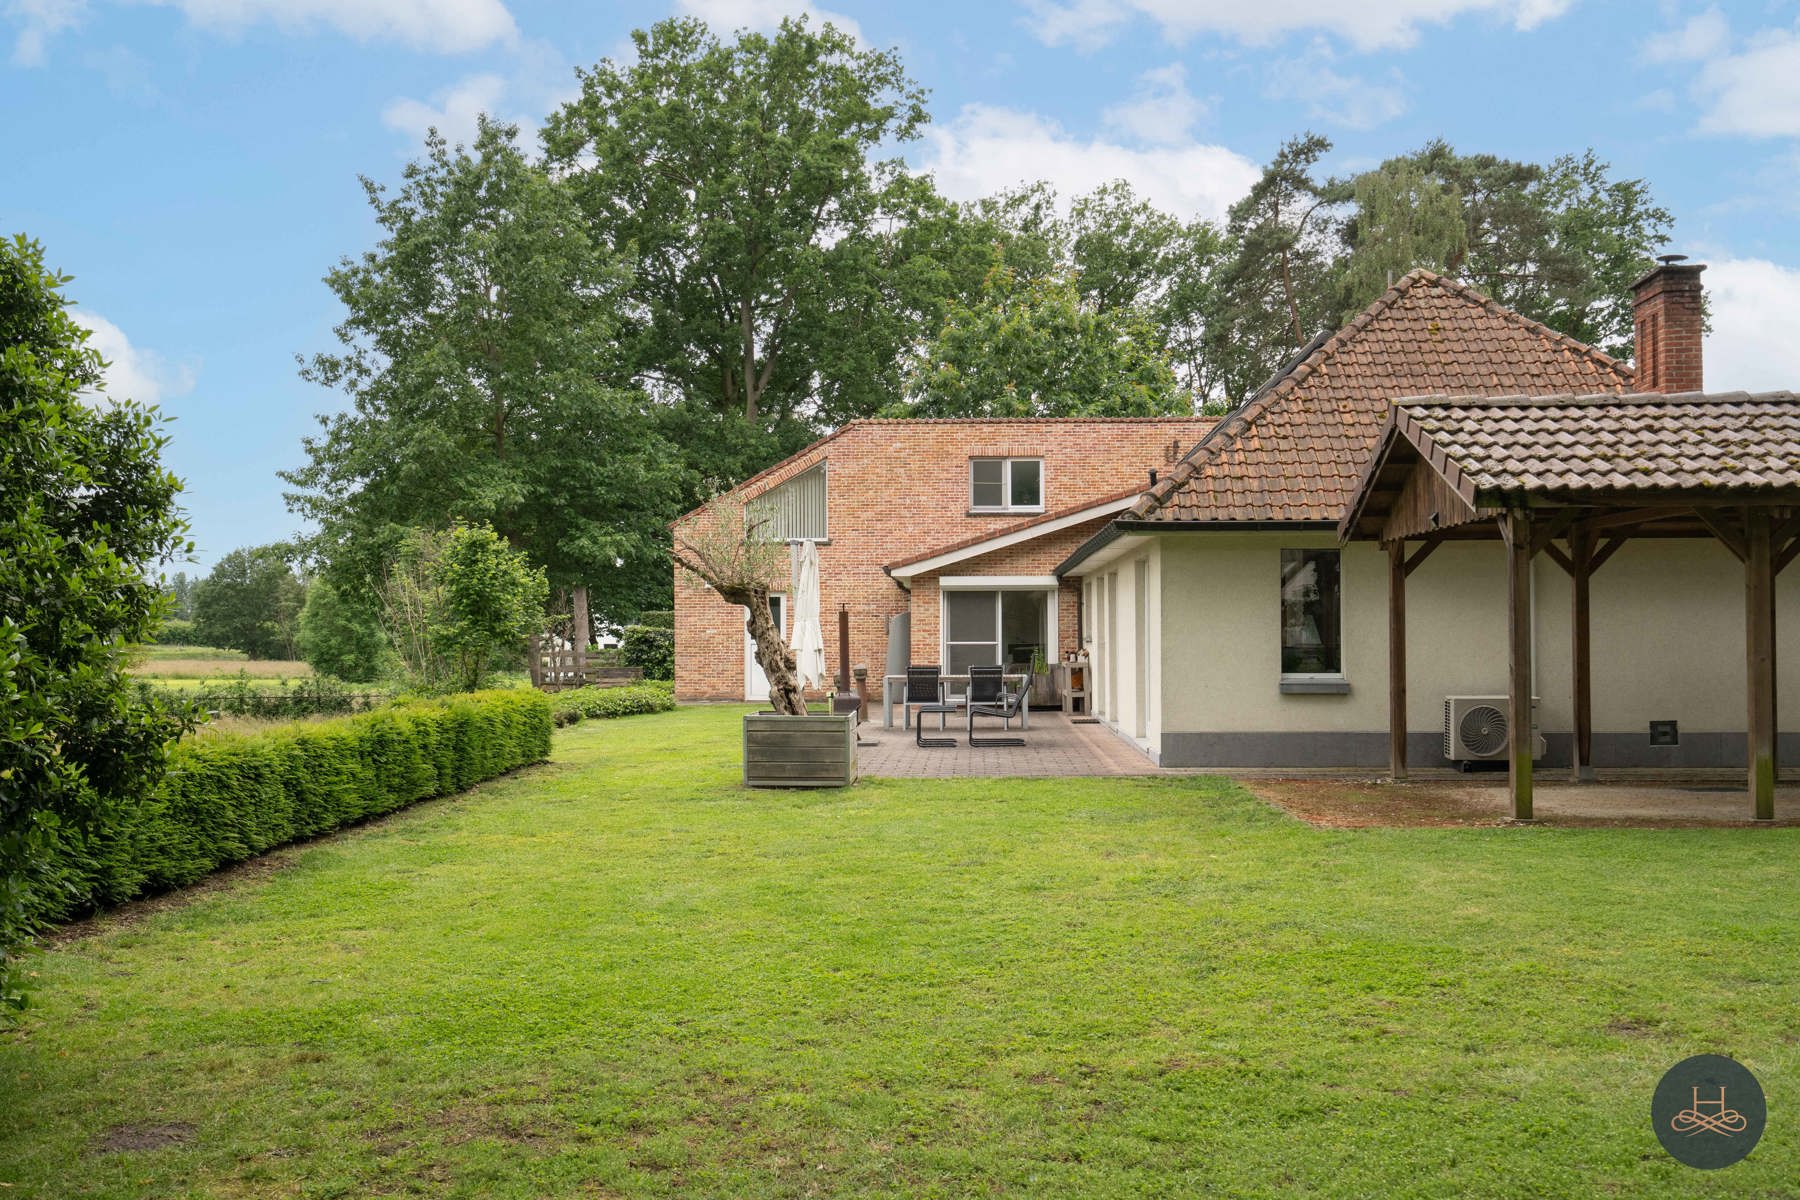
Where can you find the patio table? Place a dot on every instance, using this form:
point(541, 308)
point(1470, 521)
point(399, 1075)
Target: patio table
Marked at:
point(893, 690)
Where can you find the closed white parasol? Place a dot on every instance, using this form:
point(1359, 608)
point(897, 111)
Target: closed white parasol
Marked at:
point(808, 643)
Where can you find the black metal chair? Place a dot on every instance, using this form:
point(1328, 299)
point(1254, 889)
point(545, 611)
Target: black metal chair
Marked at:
point(988, 697)
point(923, 695)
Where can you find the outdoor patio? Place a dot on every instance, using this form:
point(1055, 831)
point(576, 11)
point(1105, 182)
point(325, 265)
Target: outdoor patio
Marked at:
point(1054, 745)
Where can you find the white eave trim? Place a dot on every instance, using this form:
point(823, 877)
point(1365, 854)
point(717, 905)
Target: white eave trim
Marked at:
point(938, 562)
point(956, 583)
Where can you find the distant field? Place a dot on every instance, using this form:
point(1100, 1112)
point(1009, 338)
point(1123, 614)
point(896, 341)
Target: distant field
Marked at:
point(174, 664)
point(150, 654)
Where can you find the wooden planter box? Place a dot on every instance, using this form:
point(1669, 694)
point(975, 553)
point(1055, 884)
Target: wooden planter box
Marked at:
point(796, 752)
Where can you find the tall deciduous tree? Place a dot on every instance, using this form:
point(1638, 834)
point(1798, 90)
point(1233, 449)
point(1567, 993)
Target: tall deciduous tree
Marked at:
point(87, 512)
point(1560, 242)
point(481, 356)
point(770, 257)
point(251, 601)
point(1034, 349)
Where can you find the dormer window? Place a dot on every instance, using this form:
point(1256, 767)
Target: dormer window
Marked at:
point(1006, 484)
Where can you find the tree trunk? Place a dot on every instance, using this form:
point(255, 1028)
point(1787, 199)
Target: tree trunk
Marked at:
point(775, 659)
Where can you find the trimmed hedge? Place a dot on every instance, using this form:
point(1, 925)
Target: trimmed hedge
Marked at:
point(650, 649)
point(593, 703)
point(230, 797)
point(241, 695)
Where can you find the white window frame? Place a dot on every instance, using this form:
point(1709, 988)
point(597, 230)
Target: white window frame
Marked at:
point(1048, 584)
point(1006, 466)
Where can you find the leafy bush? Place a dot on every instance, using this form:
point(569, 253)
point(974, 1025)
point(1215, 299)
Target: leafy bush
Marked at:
point(657, 618)
point(591, 703)
point(87, 510)
point(340, 638)
point(241, 695)
point(651, 649)
point(174, 632)
point(233, 796)
point(457, 603)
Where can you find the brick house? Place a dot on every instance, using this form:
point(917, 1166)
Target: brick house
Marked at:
point(955, 524)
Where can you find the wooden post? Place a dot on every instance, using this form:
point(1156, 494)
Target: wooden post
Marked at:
point(1397, 658)
point(1581, 557)
point(1516, 527)
point(1759, 614)
point(579, 635)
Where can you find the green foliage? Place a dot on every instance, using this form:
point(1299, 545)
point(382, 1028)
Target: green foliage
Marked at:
point(661, 618)
point(228, 797)
point(340, 638)
point(1034, 349)
point(251, 601)
point(87, 511)
point(457, 602)
point(650, 648)
point(241, 695)
point(180, 589)
point(593, 703)
point(481, 355)
point(174, 632)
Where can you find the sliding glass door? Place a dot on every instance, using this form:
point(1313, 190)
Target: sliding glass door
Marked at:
point(1003, 627)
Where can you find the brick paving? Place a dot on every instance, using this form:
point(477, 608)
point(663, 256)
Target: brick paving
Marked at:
point(1054, 745)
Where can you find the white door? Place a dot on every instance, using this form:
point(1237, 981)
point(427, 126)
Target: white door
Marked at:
point(756, 684)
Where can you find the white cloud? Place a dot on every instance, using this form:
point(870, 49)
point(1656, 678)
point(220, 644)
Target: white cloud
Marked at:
point(728, 16)
point(985, 149)
point(1162, 111)
point(1329, 96)
point(444, 26)
point(452, 111)
point(1752, 344)
point(133, 373)
point(39, 21)
point(1704, 36)
point(1367, 24)
point(1755, 91)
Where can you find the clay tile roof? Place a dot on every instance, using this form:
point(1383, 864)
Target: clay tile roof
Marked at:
point(1575, 446)
point(1293, 452)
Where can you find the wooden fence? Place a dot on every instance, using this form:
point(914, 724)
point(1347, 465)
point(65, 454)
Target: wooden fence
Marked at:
point(559, 656)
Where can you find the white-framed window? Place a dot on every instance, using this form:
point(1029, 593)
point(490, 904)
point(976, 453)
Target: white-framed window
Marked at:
point(1311, 615)
point(1006, 484)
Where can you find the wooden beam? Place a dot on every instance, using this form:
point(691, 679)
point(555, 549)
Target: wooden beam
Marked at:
point(1759, 647)
point(1424, 552)
point(1605, 552)
point(1581, 556)
point(1397, 572)
point(1552, 528)
point(1517, 525)
point(1560, 559)
point(1733, 539)
point(1785, 554)
point(1630, 516)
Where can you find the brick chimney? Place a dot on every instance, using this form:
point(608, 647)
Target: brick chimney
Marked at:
point(1666, 307)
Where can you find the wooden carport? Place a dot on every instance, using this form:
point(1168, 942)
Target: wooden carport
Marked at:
point(1590, 473)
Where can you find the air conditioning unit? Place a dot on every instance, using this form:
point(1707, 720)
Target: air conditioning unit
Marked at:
point(1475, 729)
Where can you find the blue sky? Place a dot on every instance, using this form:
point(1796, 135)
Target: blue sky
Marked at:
point(194, 163)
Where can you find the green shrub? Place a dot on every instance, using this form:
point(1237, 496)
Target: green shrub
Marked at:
point(649, 648)
point(592, 703)
point(320, 696)
point(232, 796)
point(174, 632)
point(341, 638)
point(657, 618)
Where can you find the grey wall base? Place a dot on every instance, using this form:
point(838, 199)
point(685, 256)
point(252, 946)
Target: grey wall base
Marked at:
point(1370, 749)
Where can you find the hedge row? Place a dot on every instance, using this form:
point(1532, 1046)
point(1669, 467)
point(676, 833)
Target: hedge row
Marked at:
point(591, 703)
point(241, 695)
point(229, 797)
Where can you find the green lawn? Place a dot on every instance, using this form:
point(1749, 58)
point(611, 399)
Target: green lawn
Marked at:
point(621, 975)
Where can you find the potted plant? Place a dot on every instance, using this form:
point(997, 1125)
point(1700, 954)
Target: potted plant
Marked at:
point(788, 747)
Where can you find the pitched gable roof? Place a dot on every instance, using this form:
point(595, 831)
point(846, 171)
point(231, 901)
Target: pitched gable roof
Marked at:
point(1293, 452)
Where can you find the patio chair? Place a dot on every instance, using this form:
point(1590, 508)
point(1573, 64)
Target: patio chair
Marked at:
point(923, 695)
point(993, 700)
